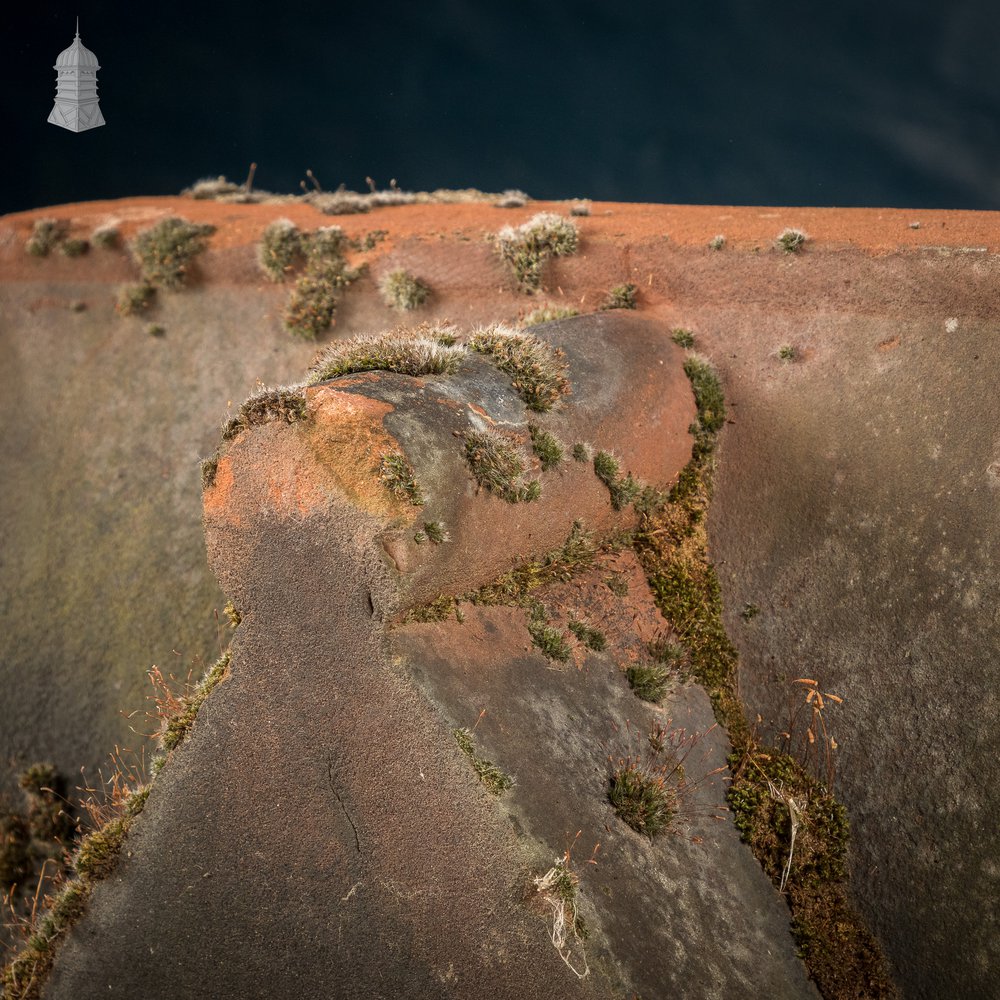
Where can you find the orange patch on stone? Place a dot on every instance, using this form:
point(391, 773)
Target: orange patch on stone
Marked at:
point(216, 499)
point(348, 439)
point(889, 344)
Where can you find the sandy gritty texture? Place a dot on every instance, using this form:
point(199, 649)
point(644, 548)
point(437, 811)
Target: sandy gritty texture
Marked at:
point(833, 514)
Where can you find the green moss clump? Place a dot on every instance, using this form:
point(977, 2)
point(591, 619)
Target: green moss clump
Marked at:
point(176, 728)
point(423, 350)
point(489, 774)
point(317, 292)
point(281, 248)
point(106, 237)
point(24, 975)
point(165, 252)
point(548, 639)
point(592, 638)
point(98, 852)
point(649, 681)
point(792, 240)
point(536, 369)
point(209, 468)
point(621, 297)
point(682, 338)
point(401, 290)
point(134, 299)
point(546, 447)
point(498, 464)
point(548, 314)
point(435, 532)
point(46, 234)
point(641, 798)
point(74, 247)
point(284, 403)
point(400, 480)
point(623, 490)
point(525, 249)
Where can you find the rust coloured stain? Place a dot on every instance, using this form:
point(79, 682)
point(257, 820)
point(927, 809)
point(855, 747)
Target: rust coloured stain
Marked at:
point(216, 499)
point(347, 438)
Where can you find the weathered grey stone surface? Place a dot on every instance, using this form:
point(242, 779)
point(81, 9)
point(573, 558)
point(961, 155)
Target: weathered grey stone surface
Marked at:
point(857, 508)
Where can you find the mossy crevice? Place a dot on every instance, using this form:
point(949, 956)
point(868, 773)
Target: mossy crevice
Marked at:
point(840, 953)
point(25, 975)
point(491, 776)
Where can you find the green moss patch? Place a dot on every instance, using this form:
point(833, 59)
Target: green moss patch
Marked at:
point(498, 464)
point(525, 249)
point(284, 403)
point(165, 252)
point(424, 350)
point(399, 479)
point(547, 448)
point(495, 780)
point(537, 370)
point(401, 290)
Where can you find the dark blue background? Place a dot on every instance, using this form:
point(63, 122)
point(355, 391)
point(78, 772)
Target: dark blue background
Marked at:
point(887, 103)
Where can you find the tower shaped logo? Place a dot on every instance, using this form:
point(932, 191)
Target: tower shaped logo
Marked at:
point(76, 106)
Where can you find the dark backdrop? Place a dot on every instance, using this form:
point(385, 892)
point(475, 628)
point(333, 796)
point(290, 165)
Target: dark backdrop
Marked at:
point(888, 103)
